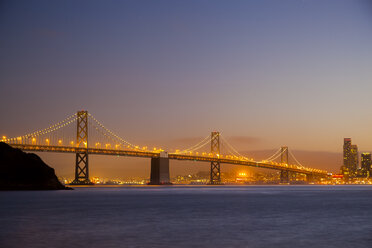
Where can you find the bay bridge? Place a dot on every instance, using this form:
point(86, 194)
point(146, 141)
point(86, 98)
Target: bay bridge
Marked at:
point(90, 136)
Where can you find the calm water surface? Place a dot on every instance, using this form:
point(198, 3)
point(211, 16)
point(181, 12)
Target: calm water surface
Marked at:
point(182, 216)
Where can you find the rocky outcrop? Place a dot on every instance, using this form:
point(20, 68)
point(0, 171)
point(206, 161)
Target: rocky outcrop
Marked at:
point(25, 171)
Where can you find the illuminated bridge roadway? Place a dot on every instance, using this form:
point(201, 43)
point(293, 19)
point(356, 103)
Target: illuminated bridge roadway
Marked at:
point(52, 139)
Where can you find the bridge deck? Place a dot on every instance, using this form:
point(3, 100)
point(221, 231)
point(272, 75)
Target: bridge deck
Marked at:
point(147, 154)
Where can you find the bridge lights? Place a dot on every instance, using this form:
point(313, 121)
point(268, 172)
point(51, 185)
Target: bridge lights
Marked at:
point(116, 146)
point(108, 146)
point(47, 141)
point(33, 141)
point(72, 143)
point(60, 142)
point(4, 138)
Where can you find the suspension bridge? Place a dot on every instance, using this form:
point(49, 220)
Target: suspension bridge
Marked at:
point(82, 134)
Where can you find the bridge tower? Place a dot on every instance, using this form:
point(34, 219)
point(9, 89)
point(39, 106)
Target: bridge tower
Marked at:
point(82, 166)
point(215, 176)
point(284, 174)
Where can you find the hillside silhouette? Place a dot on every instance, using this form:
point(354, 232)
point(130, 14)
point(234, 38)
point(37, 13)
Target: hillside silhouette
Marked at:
point(25, 171)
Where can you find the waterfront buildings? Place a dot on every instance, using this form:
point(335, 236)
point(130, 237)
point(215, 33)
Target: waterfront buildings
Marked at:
point(350, 168)
point(366, 164)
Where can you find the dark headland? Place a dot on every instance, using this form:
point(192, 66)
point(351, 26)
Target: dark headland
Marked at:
point(25, 171)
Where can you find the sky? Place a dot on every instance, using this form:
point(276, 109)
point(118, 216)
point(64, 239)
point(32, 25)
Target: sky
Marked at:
point(166, 73)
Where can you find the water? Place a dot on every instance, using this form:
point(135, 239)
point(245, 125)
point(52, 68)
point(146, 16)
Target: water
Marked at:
point(188, 216)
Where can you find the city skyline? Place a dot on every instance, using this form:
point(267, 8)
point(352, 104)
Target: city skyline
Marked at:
point(159, 74)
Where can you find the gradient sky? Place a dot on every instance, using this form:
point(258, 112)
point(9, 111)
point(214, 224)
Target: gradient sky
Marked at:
point(264, 73)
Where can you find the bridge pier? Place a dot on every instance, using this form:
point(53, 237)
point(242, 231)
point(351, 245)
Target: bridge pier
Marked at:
point(284, 176)
point(309, 178)
point(160, 171)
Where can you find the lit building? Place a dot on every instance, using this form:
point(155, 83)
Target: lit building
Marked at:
point(242, 177)
point(351, 160)
point(366, 163)
point(354, 159)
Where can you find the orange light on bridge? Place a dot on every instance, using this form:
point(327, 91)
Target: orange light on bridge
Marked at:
point(108, 146)
point(34, 141)
point(47, 141)
point(59, 142)
point(72, 143)
point(4, 138)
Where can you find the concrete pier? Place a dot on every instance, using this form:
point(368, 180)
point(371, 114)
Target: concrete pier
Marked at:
point(284, 176)
point(159, 171)
point(310, 178)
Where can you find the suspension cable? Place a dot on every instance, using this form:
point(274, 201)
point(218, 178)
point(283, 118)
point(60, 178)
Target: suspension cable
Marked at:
point(295, 159)
point(274, 155)
point(199, 145)
point(232, 148)
point(112, 133)
point(49, 129)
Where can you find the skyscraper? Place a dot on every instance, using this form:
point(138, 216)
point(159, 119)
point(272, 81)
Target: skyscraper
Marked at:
point(366, 163)
point(351, 161)
point(354, 159)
